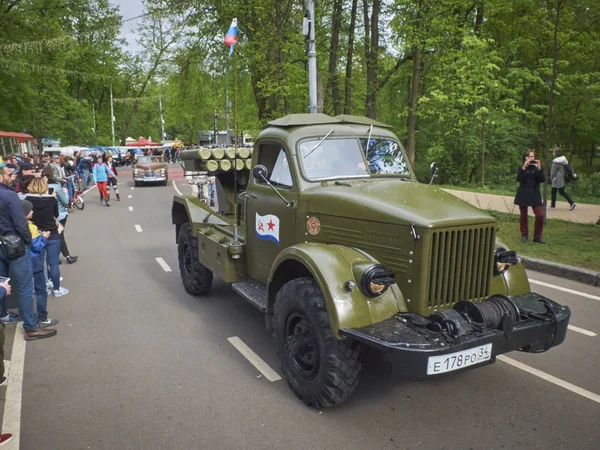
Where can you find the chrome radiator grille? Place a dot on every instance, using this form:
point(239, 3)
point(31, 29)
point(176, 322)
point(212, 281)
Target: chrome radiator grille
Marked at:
point(461, 265)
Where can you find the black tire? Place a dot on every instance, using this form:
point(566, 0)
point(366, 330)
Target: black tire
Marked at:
point(321, 370)
point(196, 278)
point(136, 184)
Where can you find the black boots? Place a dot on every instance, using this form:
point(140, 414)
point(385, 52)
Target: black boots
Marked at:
point(118, 197)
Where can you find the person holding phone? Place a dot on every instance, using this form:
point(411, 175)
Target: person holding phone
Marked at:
point(62, 199)
point(529, 176)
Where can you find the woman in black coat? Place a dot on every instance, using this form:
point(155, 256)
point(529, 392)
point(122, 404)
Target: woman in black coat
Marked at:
point(530, 176)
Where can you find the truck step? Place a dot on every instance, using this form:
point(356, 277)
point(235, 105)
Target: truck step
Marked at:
point(253, 291)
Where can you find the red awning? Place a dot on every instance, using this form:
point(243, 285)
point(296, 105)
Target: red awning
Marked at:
point(21, 137)
point(142, 142)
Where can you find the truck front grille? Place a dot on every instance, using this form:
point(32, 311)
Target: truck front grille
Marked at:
point(460, 266)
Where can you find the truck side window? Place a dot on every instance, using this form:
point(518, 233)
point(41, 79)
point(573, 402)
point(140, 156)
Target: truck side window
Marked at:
point(273, 157)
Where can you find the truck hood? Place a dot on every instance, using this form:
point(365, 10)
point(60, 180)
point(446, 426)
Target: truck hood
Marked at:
point(393, 201)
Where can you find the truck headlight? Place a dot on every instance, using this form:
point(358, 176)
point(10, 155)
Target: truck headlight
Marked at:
point(503, 259)
point(375, 280)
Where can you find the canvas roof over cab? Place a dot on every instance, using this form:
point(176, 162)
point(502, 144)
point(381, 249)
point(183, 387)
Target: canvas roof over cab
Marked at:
point(302, 120)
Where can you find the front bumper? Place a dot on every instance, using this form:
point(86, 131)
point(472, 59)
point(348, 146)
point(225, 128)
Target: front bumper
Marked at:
point(409, 346)
point(150, 179)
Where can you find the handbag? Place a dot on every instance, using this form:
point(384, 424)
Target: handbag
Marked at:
point(13, 246)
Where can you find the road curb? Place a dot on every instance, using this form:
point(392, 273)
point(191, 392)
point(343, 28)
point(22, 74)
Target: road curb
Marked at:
point(562, 270)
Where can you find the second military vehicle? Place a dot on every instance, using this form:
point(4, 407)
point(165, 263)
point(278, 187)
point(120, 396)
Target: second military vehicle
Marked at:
point(341, 248)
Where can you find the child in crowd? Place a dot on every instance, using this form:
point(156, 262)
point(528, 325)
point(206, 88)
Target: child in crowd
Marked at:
point(37, 250)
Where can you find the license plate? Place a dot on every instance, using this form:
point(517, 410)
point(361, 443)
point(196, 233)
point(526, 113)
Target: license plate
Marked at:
point(458, 360)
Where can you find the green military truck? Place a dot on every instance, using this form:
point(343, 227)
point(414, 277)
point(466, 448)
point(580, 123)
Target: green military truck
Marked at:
point(342, 249)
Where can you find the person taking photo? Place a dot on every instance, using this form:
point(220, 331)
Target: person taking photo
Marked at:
point(529, 176)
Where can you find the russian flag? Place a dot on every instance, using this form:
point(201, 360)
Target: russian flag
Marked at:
point(231, 36)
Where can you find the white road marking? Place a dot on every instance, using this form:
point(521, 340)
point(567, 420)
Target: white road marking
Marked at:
point(254, 359)
point(129, 196)
point(11, 421)
point(89, 189)
point(552, 379)
point(131, 208)
point(138, 229)
point(582, 331)
point(162, 263)
point(132, 188)
point(176, 188)
point(567, 290)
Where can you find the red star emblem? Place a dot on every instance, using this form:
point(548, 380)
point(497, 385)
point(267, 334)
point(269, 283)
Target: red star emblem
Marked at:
point(271, 225)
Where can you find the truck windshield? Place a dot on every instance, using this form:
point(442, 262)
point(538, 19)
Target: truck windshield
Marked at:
point(385, 157)
point(334, 158)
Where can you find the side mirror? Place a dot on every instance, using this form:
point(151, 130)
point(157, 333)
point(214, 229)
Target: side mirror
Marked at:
point(260, 172)
point(432, 168)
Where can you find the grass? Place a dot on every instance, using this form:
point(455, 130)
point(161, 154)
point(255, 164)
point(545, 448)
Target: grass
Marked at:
point(499, 190)
point(575, 244)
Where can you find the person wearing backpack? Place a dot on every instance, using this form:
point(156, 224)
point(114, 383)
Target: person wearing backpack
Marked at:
point(101, 174)
point(560, 175)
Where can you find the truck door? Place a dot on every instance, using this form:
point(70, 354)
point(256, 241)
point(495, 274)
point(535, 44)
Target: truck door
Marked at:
point(270, 223)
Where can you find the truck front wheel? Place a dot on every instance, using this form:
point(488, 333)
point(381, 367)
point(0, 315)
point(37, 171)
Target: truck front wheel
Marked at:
point(321, 370)
point(196, 278)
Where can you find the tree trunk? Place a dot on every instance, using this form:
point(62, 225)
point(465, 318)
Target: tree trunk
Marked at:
point(333, 85)
point(479, 18)
point(371, 55)
point(411, 142)
point(349, 57)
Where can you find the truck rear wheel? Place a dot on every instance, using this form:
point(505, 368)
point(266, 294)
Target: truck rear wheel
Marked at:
point(321, 370)
point(197, 279)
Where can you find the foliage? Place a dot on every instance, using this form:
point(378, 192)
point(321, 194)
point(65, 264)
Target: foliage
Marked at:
point(490, 79)
point(575, 244)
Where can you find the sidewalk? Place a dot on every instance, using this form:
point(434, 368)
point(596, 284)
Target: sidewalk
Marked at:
point(582, 213)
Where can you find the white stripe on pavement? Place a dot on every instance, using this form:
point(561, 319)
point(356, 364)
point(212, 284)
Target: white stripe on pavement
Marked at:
point(138, 229)
point(131, 208)
point(567, 290)
point(557, 381)
point(89, 189)
point(162, 263)
point(132, 188)
point(176, 188)
point(11, 421)
point(254, 359)
point(129, 196)
point(582, 331)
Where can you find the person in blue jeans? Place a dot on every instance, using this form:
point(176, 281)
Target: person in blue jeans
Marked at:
point(45, 213)
point(38, 257)
point(13, 221)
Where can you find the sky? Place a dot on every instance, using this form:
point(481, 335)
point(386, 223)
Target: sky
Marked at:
point(128, 9)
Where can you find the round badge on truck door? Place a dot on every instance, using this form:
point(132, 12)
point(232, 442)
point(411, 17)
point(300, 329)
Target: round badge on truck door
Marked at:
point(313, 226)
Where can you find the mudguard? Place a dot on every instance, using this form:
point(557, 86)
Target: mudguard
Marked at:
point(513, 282)
point(332, 266)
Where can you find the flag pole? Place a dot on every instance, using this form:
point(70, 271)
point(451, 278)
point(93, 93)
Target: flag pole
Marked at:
point(235, 143)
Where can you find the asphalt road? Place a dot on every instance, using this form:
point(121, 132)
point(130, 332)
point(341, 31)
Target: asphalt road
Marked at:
point(140, 364)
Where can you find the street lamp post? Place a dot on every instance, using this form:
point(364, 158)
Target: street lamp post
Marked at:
point(309, 30)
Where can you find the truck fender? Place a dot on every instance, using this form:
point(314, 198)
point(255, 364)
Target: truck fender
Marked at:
point(331, 266)
point(512, 282)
